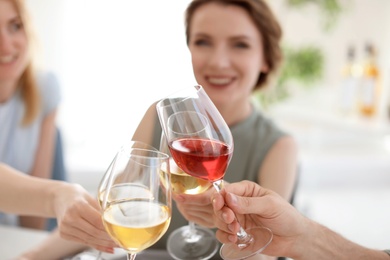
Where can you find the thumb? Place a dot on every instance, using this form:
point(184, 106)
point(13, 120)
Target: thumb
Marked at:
point(245, 205)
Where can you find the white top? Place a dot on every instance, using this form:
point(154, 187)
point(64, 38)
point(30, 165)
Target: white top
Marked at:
point(18, 143)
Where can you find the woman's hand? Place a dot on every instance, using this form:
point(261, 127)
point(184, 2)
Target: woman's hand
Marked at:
point(79, 218)
point(196, 208)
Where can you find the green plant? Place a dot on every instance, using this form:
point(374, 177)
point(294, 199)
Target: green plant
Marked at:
point(330, 9)
point(303, 65)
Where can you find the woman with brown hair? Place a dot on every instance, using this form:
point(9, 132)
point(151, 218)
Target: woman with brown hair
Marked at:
point(235, 50)
point(28, 102)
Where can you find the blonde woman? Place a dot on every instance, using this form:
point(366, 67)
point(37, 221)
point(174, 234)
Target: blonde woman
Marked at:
point(28, 103)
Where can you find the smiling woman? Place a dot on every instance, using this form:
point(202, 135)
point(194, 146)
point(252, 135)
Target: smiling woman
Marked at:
point(234, 46)
point(28, 102)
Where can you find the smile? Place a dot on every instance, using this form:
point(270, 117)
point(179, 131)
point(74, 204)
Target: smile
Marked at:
point(7, 59)
point(219, 80)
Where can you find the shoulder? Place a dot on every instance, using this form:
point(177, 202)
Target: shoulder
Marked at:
point(267, 126)
point(49, 87)
point(48, 83)
point(287, 144)
point(146, 127)
point(47, 79)
point(270, 129)
point(151, 113)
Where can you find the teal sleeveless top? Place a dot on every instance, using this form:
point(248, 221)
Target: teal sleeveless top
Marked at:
point(253, 138)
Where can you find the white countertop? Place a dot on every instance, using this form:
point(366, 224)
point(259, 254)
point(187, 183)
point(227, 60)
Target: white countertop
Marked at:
point(14, 240)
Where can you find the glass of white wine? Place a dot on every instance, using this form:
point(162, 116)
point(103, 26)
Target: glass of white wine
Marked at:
point(104, 181)
point(137, 202)
point(122, 151)
point(191, 241)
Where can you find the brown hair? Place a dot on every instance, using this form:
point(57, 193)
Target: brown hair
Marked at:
point(27, 82)
point(265, 22)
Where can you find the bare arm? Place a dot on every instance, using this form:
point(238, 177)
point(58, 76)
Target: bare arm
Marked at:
point(22, 194)
point(45, 153)
point(144, 131)
point(322, 243)
point(77, 212)
point(43, 164)
point(279, 169)
point(295, 236)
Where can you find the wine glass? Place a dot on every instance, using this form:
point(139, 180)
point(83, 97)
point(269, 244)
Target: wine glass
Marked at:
point(205, 154)
point(104, 181)
point(137, 201)
point(191, 241)
point(123, 150)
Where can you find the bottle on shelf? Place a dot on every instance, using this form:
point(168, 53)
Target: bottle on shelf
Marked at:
point(368, 97)
point(350, 81)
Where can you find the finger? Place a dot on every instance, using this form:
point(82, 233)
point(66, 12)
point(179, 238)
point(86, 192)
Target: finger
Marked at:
point(195, 200)
point(217, 202)
point(221, 211)
point(99, 246)
point(88, 226)
point(90, 216)
point(225, 238)
point(76, 234)
point(248, 205)
point(202, 218)
point(206, 210)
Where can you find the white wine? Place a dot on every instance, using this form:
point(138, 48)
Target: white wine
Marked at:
point(182, 183)
point(136, 224)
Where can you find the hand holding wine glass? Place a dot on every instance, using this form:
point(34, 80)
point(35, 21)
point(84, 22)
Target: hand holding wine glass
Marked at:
point(104, 181)
point(191, 241)
point(137, 201)
point(201, 144)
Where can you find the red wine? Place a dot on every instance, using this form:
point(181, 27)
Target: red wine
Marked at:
point(201, 158)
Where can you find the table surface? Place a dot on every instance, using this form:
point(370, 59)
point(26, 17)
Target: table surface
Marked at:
point(15, 240)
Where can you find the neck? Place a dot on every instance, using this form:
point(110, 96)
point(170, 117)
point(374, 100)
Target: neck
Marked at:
point(7, 89)
point(235, 114)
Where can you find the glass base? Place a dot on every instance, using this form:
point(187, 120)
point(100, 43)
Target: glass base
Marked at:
point(200, 246)
point(261, 238)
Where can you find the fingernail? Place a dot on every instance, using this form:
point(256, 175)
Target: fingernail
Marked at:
point(232, 238)
point(109, 250)
point(179, 198)
point(233, 199)
point(224, 216)
point(231, 227)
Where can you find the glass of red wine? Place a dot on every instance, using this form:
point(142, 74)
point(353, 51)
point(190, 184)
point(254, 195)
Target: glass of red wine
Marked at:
point(205, 154)
point(190, 242)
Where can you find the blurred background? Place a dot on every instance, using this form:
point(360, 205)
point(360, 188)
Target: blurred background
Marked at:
point(114, 58)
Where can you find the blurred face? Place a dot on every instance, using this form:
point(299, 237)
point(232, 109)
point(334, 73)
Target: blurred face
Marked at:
point(13, 43)
point(227, 52)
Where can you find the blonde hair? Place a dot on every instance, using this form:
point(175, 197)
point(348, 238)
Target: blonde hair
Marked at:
point(28, 82)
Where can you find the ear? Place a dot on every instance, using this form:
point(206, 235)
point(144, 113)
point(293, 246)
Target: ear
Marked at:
point(264, 66)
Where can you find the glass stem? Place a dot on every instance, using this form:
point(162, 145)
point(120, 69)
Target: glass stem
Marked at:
point(244, 239)
point(191, 236)
point(191, 224)
point(131, 256)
